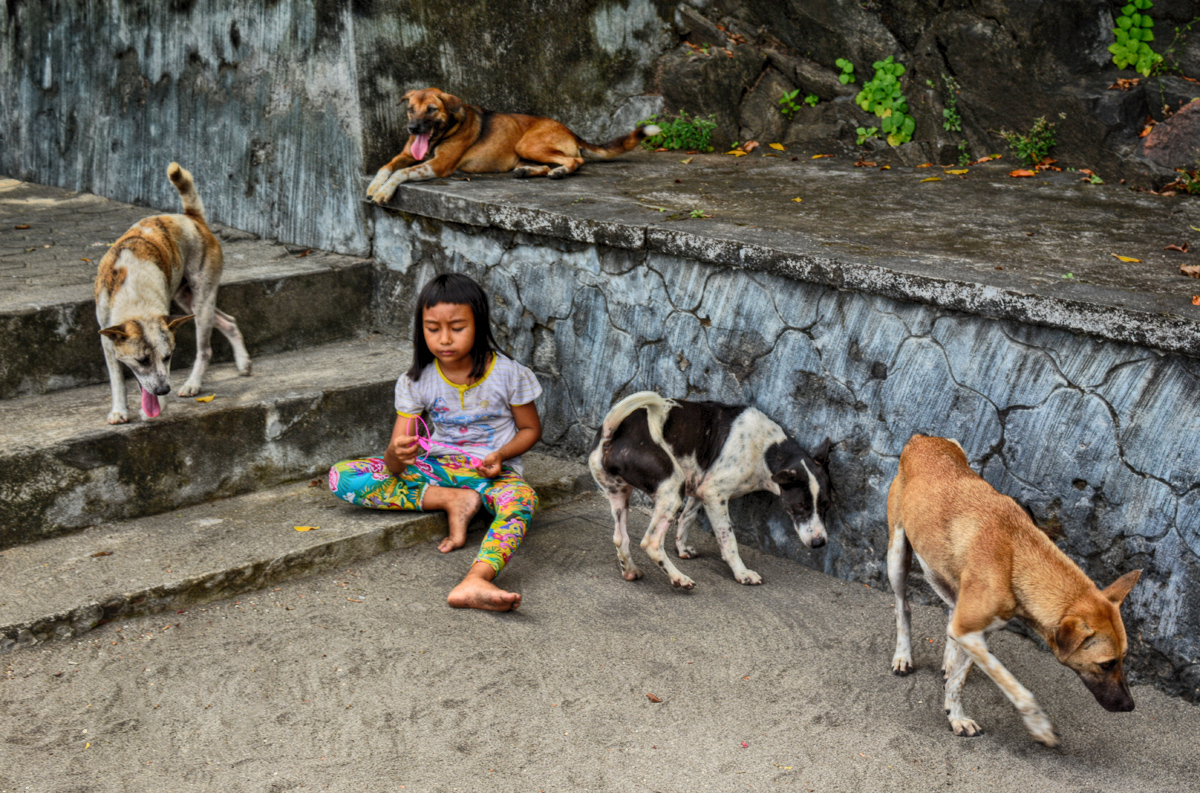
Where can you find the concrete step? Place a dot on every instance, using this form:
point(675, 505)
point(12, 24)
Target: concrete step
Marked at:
point(283, 299)
point(63, 468)
point(65, 586)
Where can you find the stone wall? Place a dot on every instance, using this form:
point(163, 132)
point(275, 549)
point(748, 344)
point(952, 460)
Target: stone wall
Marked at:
point(1095, 436)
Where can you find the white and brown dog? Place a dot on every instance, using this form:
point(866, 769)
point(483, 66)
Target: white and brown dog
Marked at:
point(160, 259)
point(983, 555)
point(708, 453)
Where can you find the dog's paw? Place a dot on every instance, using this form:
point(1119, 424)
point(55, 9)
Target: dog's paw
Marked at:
point(118, 417)
point(631, 574)
point(245, 369)
point(901, 665)
point(189, 390)
point(377, 182)
point(1041, 729)
point(749, 577)
point(965, 728)
point(686, 552)
point(683, 582)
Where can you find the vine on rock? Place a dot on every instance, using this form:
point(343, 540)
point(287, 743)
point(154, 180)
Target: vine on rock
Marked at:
point(883, 97)
point(1133, 32)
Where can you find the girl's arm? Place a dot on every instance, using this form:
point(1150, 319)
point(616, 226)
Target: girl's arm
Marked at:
point(529, 432)
point(402, 448)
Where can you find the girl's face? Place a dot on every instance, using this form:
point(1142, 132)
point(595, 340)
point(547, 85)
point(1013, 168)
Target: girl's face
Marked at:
point(449, 331)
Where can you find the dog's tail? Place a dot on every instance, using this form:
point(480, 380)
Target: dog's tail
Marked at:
point(193, 207)
point(656, 408)
point(617, 146)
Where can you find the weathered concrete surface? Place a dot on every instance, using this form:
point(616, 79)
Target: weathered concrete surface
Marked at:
point(605, 296)
point(260, 103)
point(283, 297)
point(299, 688)
point(66, 586)
point(63, 468)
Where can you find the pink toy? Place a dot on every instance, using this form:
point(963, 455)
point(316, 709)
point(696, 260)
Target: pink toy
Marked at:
point(427, 443)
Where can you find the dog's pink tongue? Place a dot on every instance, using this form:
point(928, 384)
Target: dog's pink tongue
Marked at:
point(420, 145)
point(150, 404)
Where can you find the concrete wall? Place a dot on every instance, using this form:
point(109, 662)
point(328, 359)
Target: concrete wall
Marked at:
point(1096, 437)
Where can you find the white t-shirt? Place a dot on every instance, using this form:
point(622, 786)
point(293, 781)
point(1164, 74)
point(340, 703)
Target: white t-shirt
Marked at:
point(477, 417)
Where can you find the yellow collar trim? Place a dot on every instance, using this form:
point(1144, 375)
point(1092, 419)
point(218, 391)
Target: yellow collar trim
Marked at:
point(462, 388)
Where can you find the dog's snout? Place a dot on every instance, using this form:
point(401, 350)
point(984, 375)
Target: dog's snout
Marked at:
point(162, 390)
point(817, 542)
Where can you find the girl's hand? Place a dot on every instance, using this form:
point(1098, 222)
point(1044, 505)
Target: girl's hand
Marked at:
point(404, 448)
point(491, 465)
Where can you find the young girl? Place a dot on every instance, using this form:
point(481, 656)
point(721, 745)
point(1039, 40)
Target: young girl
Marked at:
point(479, 404)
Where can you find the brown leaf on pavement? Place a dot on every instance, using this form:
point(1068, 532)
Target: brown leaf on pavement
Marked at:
point(1192, 270)
point(1183, 249)
point(653, 698)
point(865, 164)
point(1021, 173)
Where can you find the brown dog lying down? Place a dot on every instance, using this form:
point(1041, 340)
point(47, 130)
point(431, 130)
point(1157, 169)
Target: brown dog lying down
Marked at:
point(983, 555)
point(446, 135)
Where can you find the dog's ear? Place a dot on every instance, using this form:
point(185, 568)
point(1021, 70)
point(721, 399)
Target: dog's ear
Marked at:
point(116, 332)
point(175, 320)
point(452, 104)
point(406, 96)
point(1069, 634)
point(821, 455)
point(772, 487)
point(786, 476)
point(1117, 590)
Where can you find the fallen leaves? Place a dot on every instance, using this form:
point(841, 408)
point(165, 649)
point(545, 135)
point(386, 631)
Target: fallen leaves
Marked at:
point(688, 161)
point(988, 158)
point(925, 165)
point(1126, 258)
point(778, 147)
point(101, 553)
point(958, 171)
point(1124, 83)
point(1150, 122)
point(1022, 173)
point(1196, 300)
point(821, 156)
point(749, 146)
point(356, 600)
point(736, 152)
point(653, 698)
point(307, 528)
point(865, 164)
point(1190, 270)
point(797, 199)
point(208, 398)
point(932, 179)
point(89, 261)
point(1181, 249)
point(21, 227)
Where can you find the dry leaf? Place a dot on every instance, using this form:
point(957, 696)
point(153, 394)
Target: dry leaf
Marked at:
point(653, 698)
point(958, 171)
point(356, 600)
point(101, 553)
point(1196, 300)
point(315, 483)
point(988, 158)
point(778, 147)
point(865, 164)
point(797, 199)
point(208, 398)
point(688, 161)
point(89, 261)
point(932, 179)
point(925, 165)
point(1126, 258)
point(749, 146)
point(1150, 122)
point(22, 226)
point(819, 156)
point(1192, 270)
point(736, 152)
point(307, 528)
point(302, 255)
point(1183, 249)
point(1124, 83)
point(1087, 172)
point(1022, 172)
point(885, 167)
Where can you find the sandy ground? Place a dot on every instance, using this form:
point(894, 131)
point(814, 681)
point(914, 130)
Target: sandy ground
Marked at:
point(783, 686)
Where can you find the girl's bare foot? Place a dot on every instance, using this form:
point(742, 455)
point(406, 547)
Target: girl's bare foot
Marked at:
point(460, 506)
point(476, 591)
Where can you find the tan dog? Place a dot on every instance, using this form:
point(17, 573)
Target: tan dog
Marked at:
point(162, 258)
point(983, 555)
point(446, 135)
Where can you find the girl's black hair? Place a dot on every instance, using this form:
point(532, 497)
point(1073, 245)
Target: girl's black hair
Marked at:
point(460, 289)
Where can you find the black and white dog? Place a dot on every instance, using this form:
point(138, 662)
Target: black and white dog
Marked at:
point(709, 453)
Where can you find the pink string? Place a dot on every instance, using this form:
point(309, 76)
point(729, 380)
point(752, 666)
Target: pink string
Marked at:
point(427, 443)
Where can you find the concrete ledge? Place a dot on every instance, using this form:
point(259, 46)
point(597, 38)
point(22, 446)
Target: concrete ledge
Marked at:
point(66, 586)
point(985, 244)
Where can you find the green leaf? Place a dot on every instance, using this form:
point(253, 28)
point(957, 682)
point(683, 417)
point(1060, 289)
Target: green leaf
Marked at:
point(877, 65)
point(1129, 9)
point(1124, 23)
point(1147, 22)
point(844, 78)
point(840, 63)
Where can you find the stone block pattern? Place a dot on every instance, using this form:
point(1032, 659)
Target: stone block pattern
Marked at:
point(1096, 437)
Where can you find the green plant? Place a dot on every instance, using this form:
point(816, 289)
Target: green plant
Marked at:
point(1132, 47)
point(866, 133)
point(1036, 146)
point(883, 97)
point(1171, 52)
point(787, 103)
point(953, 121)
point(698, 214)
point(847, 75)
point(811, 100)
point(681, 132)
point(964, 153)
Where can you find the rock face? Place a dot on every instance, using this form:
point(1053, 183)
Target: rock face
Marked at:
point(1175, 143)
point(1096, 437)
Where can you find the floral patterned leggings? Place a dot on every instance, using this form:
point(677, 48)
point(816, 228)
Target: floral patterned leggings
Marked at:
point(368, 483)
